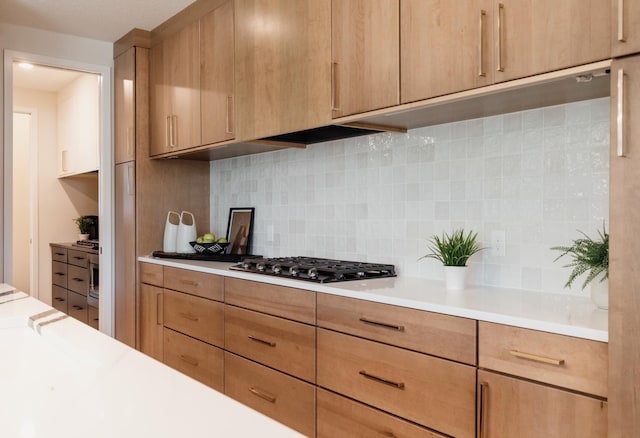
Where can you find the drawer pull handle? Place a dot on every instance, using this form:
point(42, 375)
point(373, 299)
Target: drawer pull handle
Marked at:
point(77, 279)
point(190, 360)
point(190, 283)
point(75, 306)
point(59, 299)
point(189, 316)
point(78, 258)
point(61, 274)
point(262, 341)
point(59, 253)
point(536, 358)
point(399, 328)
point(398, 385)
point(262, 394)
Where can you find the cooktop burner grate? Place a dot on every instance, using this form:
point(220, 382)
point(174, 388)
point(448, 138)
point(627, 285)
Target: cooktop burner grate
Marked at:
point(315, 269)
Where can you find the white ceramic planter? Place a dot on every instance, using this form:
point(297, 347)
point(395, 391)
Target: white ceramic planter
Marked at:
point(455, 277)
point(83, 236)
point(600, 292)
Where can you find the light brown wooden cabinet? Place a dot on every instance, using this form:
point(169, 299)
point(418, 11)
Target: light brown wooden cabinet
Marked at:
point(124, 71)
point(365, 45)
point(150, 310)
point(625, 27)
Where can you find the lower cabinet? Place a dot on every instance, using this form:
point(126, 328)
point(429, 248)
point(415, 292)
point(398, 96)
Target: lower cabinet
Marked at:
point(93, 318)
point(150, 317)
point(59, 298)
point(77, 307)
point(511, 407)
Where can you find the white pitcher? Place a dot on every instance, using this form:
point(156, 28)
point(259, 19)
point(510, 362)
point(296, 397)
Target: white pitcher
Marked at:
point(186, 233)
point(171, 232)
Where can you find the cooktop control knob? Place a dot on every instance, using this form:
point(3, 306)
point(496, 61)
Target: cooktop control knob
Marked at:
point(260, 266)
point(277, 268)
point(313, 273)
point(294, 270)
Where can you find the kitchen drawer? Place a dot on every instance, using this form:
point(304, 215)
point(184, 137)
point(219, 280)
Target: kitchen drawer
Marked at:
point(59, 298)
point(195, 283)
point(77, 307)
point(281, 397)
point(279, 343)
point(287, 302)
point(59, 254)
point(574, 363)
point(434, 392)
point(59, 276)
point(78, 280)
point(92, 318)
point(194, 358)
point(342, 417)
point(194, 316)
point(445, 336)
point(78, 258)
point(511, 407)
point(151, 274)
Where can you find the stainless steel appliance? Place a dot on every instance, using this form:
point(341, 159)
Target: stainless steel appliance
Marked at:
point(94, 280)
point(315, 269)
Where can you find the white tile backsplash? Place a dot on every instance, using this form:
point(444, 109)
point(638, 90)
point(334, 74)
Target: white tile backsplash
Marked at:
point(539, 175)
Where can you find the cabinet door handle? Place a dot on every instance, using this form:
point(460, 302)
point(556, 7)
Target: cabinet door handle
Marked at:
point(536, 358)
point(483, 390)
point(167, 131)
point(63, 158)
point(262, 341)
point(334, 87)
point(190, 360)
point(263, 394)
point(621, 37)
point(399, 328)
point(399, 385)
point(174, 131)
point(131, 180)
point(159, 308)
point(189, 316)
point(481, 72)
point(229, 129)
point(620, 114)
point(499, 36)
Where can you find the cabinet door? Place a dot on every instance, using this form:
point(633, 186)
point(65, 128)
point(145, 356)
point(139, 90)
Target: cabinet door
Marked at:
point(510, 407)
point(625, 27)
point(78, 307)
point(151, 319)
point(216, 46)
point(538, 36)
point(365, 45)
point(159, 110)
point(124, 123)
point(445, 47)
point(282, 66)
point(624, 244)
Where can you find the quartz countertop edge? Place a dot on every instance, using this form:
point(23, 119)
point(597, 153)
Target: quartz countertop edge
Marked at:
point(568, 315)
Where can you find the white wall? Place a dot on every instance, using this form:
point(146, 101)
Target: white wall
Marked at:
point(22, 166)
point(539, 175)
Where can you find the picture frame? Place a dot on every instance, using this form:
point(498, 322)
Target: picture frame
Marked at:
point(240, 230)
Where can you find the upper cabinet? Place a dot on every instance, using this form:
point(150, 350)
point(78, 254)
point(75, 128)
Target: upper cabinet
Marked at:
point(124, 76)
point(365, 45)
point(282, 66)
point(175, 91)
point(216, 74)
point(625, 27)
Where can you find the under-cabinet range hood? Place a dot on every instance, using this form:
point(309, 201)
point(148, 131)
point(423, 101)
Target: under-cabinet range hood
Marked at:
point(331, 132)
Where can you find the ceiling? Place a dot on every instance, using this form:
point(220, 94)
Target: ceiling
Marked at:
point(105, 20)
point(43, 78)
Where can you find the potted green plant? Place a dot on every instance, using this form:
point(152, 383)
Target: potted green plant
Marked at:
point(84, 225)
point(453, 251)
point(590, 257)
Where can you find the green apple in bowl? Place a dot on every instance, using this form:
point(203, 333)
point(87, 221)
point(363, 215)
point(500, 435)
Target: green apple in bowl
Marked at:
point(208, 238)
point(222, 240)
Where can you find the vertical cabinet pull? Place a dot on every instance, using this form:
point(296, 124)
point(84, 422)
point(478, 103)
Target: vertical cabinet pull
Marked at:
point(499, 36)
point(334, 87)
point(620, 114)
point(174, 131)
point(63, 160)
point(483, 389)
point(167, 133)
point(481, 72)
point(159, 308)
point(131, 183)
point(621, 21)
point(229, 128)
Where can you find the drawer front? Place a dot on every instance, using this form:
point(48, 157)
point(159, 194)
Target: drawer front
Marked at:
point(93, 318)
point(78, 307)
point(194, 316)
point(59, 274)
point(151, 274)
point(513, 407)
point(195, 283)
point(279, 343)
point(59, 254)
point(78, 258)
point(287, 302)
point(574, 363)
point(196, 359)
point(281, 397)
point(59, 298)
point(433, 333)
point(433, 392)
point(341, 417)
point(78, 280)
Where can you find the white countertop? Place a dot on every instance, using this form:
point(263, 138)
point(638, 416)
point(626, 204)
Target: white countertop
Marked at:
point(555, 313)
point(64, 379)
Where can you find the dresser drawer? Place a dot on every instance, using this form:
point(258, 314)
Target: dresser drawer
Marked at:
point(77, 306)
point(59, 271)
point(341, 417)
point(287, 302)
point(59, 298)
point(78, 279)
point(59, 254)
point(573, 363)
point(434, 392)
point(194, 316)
point(92, 318)
point(195, 283)
point(151, 274)
point(433, 333)
point(78, 258)
point(194, 358)
point(279, 343)
point(281, 397)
